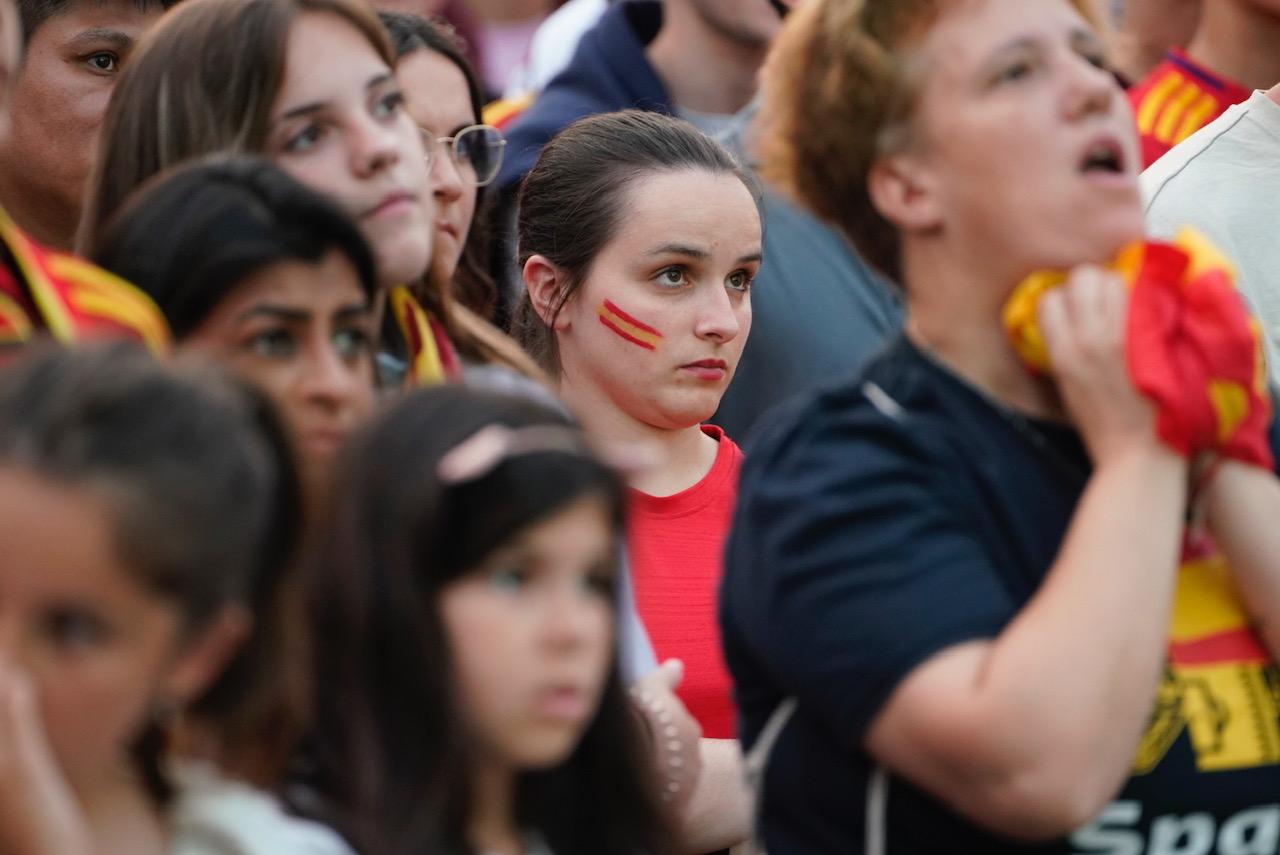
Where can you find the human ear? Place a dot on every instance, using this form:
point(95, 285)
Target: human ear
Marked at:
point(545, 283)
point(205, 656)
point(902, 189)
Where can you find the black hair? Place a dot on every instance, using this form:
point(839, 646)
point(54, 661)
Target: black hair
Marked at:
point(571, 202)
point(191, 464)
point(390, 746)
point(192, 234)
point(34, 13)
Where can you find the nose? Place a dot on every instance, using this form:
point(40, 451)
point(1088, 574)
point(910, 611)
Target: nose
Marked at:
point(1091, 90)
point(572, 622)
point(327, 381)
point(717, 316)
point(374, 147)
point(446, 181)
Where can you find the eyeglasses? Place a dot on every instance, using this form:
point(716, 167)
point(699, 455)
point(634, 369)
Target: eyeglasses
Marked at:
point(476, 151)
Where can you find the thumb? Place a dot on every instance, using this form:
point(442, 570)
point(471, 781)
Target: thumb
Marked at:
point(671, 673)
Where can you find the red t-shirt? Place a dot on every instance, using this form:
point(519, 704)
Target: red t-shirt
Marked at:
point(1177, 99)
point(676, 550)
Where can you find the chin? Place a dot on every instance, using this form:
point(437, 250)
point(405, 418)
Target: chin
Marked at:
point(402, 267)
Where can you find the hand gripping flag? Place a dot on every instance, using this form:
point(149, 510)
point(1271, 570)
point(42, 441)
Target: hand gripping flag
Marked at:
point(1191, 346)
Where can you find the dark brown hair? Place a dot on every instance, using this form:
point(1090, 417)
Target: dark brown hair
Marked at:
point(391, 760)
point(196, 473)
point(571, 202)
point(472, 284)
point(202, 82)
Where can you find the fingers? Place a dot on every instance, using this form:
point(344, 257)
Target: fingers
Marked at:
point(671, 673)
point(1084, 321)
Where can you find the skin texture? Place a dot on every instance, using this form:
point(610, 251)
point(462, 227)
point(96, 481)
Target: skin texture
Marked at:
point(340, 128)
point(57, 104)
point(437, 100)
point(304, 333)
point(86, 653)
point(751, 23)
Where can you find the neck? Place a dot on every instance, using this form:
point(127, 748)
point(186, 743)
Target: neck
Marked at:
point(38, 213)
point(1239, 40)
point(703, 70)
point(680, 457)
point(121, 817)
point(967, 335)
point(492, 825)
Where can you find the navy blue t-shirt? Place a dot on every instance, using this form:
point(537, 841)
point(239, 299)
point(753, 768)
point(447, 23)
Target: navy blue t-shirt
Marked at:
point(902, 513)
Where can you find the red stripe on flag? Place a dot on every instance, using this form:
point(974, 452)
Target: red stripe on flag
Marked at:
point(608, 304)
point(1233, 646)
point(628, 336)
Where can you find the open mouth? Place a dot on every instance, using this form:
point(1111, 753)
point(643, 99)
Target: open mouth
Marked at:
point(1104, 156)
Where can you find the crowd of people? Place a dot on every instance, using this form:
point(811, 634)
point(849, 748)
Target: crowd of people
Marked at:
point(789, 426)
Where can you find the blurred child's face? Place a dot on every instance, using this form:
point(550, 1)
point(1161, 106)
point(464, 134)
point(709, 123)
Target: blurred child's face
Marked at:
point(531, 632)
point(98, 651)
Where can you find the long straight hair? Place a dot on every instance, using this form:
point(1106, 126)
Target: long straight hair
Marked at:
point(390, 757)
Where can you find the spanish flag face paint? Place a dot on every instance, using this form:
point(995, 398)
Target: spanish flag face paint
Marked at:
point(627, 327)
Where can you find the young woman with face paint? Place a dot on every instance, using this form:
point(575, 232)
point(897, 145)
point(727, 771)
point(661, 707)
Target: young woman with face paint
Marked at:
point(639, 239)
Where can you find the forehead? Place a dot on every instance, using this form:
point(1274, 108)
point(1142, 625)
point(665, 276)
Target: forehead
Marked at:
point(328, 59)
point(713, 210)
point(69, 17)
point(435, 90)
point(329, 284)
point(55, 540)
point(968, 31)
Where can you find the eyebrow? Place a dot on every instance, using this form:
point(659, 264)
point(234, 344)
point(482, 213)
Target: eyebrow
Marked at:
point(680, 249)
point(94, 35)
point(316, 106)
point(284, 313)
point(349, 312)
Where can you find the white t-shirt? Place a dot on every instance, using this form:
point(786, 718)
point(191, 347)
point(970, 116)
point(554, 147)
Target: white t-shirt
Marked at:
point(1224, 180)
point(212, 815)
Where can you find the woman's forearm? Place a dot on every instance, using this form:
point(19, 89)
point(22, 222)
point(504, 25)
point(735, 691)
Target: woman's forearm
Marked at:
point(1243, 515)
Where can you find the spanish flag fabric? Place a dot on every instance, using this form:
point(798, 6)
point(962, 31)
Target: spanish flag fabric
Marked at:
point(432, 359)
point(1191, 346)
point(69, 299)
point(1220, 687)
point(1177, 99)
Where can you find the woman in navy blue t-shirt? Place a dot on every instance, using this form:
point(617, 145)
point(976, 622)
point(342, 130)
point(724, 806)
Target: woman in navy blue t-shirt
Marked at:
point(975, 584)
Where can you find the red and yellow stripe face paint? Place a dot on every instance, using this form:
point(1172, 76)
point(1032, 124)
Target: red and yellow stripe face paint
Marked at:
point(638, 333)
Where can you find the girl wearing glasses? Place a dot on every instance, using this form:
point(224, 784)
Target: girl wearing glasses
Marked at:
point(471, 699)
point(444, 99)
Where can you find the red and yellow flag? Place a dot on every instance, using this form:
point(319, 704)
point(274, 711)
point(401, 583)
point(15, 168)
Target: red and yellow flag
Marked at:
point(69, 298)
point(1191, 346)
